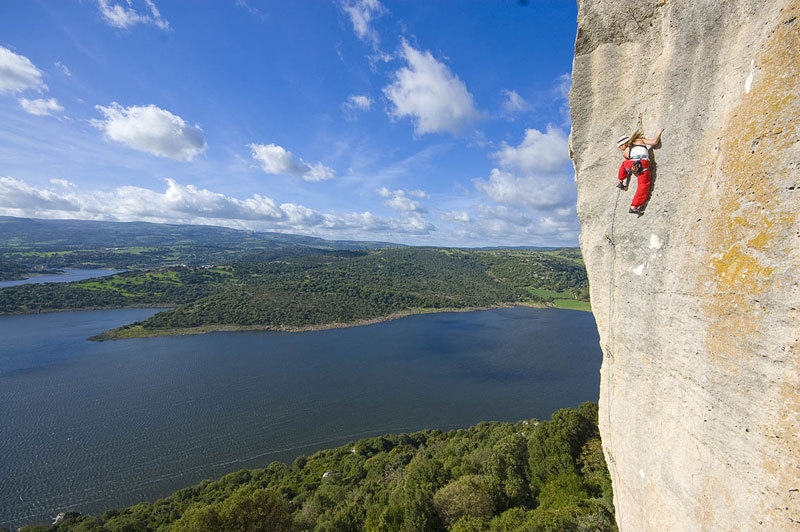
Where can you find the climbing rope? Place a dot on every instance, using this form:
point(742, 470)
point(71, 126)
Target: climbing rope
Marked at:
point(609, 363)
point(609, 355)
point(610, 238)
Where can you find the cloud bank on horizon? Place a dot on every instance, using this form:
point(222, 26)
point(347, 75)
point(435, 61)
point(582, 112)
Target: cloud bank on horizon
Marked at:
point(349, 119)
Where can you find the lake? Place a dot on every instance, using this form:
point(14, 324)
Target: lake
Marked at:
point(88, 426)
point(68, 276)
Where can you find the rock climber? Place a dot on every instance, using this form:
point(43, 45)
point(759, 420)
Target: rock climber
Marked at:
point(636, 150)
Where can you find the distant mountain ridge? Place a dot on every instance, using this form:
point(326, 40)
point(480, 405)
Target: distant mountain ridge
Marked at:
point(90, 233)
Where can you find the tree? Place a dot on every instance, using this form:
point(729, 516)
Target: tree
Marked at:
point(249, 509)
point(466, 496)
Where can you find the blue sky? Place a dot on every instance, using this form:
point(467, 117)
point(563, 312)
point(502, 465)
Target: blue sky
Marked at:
point(419, 122)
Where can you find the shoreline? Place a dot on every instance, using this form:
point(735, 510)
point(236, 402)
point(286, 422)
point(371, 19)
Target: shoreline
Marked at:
point(140, 332)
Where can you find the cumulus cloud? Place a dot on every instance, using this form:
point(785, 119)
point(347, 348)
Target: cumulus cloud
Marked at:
point(362, 13)
point(531, 194)
point(275, 159)
point(399, 200)
point(412, 212)
point(426, 91)
point(124, 15)
point(17, 198)
point(527, 191)
point(557, 227)
point(152, 130)
point(41, 107)
point(17, 73)
point(539, 153)
point(191, 204)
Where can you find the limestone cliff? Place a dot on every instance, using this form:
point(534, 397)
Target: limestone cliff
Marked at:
point(697, 302)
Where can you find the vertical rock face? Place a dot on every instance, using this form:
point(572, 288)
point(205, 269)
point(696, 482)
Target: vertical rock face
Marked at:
point(698, 301)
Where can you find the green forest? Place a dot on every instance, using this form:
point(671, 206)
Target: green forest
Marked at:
point(301, 288)
point(530, 476)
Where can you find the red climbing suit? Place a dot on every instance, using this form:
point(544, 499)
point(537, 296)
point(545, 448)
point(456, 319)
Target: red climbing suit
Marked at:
point(643, 186)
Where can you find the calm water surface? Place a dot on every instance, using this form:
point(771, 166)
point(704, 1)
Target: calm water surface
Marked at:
point(88, 426)
point(68, 276)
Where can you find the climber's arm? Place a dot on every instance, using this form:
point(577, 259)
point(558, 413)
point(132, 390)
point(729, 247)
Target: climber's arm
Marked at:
point(655, 140)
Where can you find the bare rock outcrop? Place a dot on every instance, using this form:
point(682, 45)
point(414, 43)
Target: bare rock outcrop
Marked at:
point(698, 301)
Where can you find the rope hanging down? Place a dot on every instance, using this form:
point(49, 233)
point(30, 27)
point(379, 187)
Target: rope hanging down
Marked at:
point(609, 355)
point(609, 362)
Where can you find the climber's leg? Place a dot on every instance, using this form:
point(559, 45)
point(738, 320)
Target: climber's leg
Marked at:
point(643, 186)
point(624, 169)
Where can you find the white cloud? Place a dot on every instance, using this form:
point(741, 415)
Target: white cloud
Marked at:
point(62, 183)
point(530, 191)
point(152, 130)
point(399, 200)
point(361, 102)
point(19, 199)
point(17, 73)
point(119, 16)
point(190, 204)
point(250, 9)
point(531, 196)
point(430, 94)
point(63, 68)
point(41, 107)
point(275, 159)
point(558, 227)
point(362, 13)
point(539, 153)
point(356, 104)
point(563, 86)
point(456, 216)
point(514, 103)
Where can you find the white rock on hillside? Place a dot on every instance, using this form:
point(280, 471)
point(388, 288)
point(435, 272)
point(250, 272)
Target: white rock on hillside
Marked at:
point(698, 301)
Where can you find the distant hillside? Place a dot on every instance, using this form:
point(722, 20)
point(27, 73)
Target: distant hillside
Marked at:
point(32, 245)
point(312, 288)
point(224, 279)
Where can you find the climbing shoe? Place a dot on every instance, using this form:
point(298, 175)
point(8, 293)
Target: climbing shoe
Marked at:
point(636, 210)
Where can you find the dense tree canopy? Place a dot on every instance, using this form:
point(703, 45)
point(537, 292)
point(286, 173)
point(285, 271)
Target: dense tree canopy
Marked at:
point(547, 476)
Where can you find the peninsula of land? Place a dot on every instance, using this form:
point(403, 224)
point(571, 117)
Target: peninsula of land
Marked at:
point(211, 279)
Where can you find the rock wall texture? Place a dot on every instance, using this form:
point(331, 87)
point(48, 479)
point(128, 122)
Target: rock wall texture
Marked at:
point(698, 301)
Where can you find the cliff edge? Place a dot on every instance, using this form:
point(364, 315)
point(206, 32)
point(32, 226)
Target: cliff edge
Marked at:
point(697, 301)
